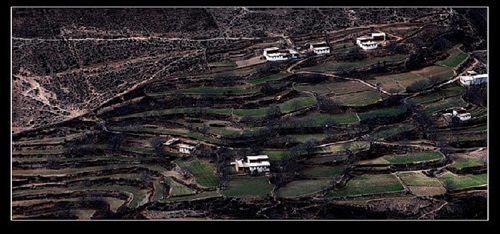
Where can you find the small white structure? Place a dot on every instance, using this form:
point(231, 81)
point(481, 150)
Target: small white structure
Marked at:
point(463, 116)
point(370, 45)
point(259, 163)
point(370, 42)
point(380, 36)
point(186, 149)
point(319, 48)
point(171, 141)
point(474, 79)
point(293, 53)
point(273, 54)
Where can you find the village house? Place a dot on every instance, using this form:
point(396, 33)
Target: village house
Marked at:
point(186, 149)
point(252, 164)
point(370, 42)
point(171, 141)
point(319, 48)
point(174, 144)
point(462, 116)
point(474, 79)
point(275, 54)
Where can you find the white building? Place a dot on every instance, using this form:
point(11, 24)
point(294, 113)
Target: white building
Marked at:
point(378, 36)
point(273, 54)
point(259, 163)
point(319, 48)
point(369, 45)
point(171, 141)
point(463, 116)
point(293, 53)
point(370, 42)
point(474, 79)
point(186, 149)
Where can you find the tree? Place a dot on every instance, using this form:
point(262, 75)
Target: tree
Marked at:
point(484, 159)
point(273, 111)
point(157, 144)
point(145, 178)
point(221, 164)
point(288, 167)
point(448, 185)
point(295, 105)
point(418, 85)
point(116, 141)
point(355, 54)
point(309, 145)
point(434, 80)
point(51, 162)
point(327, 105)
point(225, 78)
point(455, 121)
point(203, 129)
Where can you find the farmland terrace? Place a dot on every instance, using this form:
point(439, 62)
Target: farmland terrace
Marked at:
point(351, 134)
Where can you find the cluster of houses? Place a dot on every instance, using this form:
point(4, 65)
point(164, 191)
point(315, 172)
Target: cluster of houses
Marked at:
point(472, 78)
point(277, 54)
point(365, 42)
point(370, 42)
point(258, 164)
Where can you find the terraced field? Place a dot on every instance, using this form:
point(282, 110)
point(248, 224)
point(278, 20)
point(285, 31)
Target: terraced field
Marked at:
point(300, 188)
point(369, 184)
point(360, 150)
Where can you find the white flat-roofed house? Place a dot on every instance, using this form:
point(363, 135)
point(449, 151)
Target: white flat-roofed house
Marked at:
point(319, 48)
point(370, 42)
point(462, 116)
point(274, 54)
point(252, 164)
point(186, 149)
point(474, 80)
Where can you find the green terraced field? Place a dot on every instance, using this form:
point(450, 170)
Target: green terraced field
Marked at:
point(369, 184)
point(391, 130)
point(336, 66)
point(418, 179)
point(177, 189)
point(268, 78)
point(302, 187)
point(455, 58)
point(323, 171)
point(274, 155)
point(248, 186)
point(384, 112)
point(461, 163)
point(202, 170)
point(413, 157)
point(303, 137)
point(359, 98)
point(465, 181)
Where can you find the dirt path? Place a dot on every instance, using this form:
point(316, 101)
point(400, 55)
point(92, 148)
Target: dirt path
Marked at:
point(433, 211)
point(422, 146)
point(133, 38)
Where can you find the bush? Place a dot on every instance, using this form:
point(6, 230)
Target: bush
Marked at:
point(418, 85)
